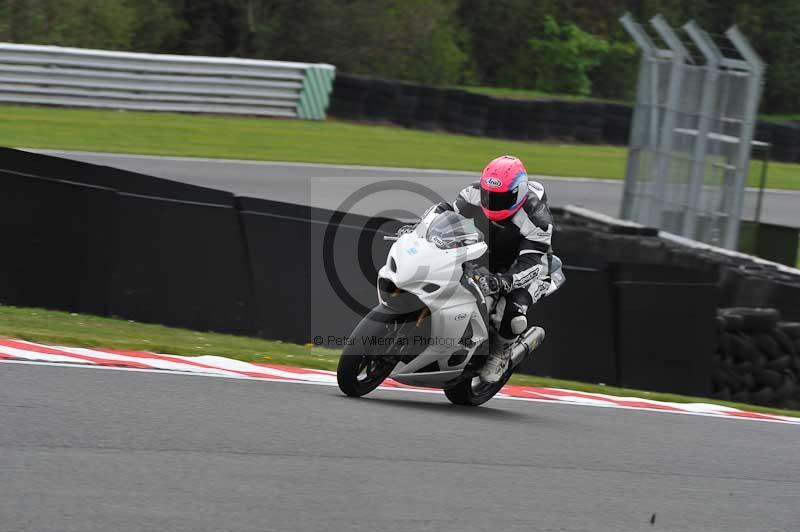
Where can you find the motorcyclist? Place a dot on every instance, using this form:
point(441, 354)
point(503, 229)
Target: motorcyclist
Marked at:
point(513, 215)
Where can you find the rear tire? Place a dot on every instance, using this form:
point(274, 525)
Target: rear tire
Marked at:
point(475, 392)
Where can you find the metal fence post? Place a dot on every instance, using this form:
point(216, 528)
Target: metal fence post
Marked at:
point(754, 86)
point(671, 109)
point(644, 132)
point(712, 57)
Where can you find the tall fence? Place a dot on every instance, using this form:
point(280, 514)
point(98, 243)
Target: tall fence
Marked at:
point(53, 75)
point(692, 131)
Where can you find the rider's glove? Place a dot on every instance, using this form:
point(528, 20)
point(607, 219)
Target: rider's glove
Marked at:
point(491, 284)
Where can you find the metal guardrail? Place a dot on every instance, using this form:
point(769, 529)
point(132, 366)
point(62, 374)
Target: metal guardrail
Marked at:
point(53, 75)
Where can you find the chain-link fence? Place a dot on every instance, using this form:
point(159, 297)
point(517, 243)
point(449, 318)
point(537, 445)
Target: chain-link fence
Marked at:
point(692, 130)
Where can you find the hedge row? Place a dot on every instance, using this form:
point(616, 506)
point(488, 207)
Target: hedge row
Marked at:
point(757, 358)
point(459, 111)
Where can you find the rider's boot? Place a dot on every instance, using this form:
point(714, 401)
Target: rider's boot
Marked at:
point(497, 362)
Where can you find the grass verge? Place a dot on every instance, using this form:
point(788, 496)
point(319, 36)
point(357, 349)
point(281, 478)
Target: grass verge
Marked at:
point(529, 94)
point(330, 141)
point(63, 328)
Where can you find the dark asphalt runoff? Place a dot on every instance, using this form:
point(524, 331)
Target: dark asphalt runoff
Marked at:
point(93, 450)
point(328, 186)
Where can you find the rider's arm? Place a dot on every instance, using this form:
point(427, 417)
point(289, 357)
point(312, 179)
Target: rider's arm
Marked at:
point(468, 202)
point(536, 229)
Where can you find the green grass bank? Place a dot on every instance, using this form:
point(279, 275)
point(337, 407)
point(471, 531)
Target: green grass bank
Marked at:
point(330, 141)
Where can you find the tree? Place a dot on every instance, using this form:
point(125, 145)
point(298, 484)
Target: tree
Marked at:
point(563, 57)
point(778, 44)
point(84, 23)
point(499, 32)
point(156, 26)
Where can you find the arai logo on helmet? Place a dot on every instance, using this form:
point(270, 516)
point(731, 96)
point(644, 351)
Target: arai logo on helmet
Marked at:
point(493, 182)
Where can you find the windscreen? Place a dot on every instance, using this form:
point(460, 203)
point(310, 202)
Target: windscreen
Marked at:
point(450, 230)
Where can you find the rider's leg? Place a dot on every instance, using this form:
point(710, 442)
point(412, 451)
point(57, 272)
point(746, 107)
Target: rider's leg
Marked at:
point(511, 309)
point(514, 321)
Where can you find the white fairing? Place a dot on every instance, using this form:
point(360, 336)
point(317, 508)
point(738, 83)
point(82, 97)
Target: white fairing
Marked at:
point(420, 263)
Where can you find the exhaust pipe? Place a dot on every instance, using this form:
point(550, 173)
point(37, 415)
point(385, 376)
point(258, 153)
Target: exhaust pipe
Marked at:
point(526, 344)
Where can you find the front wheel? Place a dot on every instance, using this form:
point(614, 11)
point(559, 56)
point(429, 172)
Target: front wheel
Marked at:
point(372, 352)
point(475, 392)
point(359, 374)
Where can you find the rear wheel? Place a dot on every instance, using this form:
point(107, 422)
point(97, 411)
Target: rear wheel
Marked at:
point(475, 392)
point(373, 350)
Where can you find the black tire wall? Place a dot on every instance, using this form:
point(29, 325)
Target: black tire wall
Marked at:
point(462, 112)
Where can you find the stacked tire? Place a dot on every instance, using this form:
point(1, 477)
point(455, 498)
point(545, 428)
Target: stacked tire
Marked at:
point(579, 121)
point(405, 109)
point(474, 113)
point(348, 99)
point(428, 115)
point(519, 119)
point(755, 285)
point(785, 140)
point(758, 358)
point(617, 123)
point(453, 110)
point(458, 111)
point(381, 99)
point(539, 116)
point(500, 118)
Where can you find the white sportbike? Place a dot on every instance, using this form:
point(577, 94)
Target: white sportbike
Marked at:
point(432, 325)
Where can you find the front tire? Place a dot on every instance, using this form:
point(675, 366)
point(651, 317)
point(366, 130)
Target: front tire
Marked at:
point(475, 392)
point(358, 374)
point(363, 367)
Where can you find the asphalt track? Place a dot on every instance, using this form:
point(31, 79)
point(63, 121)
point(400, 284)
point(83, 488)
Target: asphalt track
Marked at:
point(328, 186)
point(99, 450)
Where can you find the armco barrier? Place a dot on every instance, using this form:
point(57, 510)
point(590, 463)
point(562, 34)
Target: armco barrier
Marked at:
point(54, 75)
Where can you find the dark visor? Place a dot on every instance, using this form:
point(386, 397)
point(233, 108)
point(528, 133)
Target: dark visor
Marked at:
point(498, 201)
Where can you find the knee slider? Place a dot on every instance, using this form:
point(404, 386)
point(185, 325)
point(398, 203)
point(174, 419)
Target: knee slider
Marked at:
point(519, 324)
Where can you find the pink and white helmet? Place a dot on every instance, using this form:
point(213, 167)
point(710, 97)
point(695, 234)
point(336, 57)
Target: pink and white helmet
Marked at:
point(504, 187)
